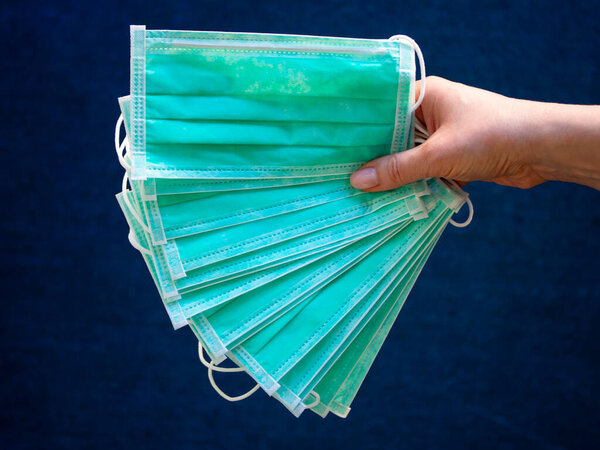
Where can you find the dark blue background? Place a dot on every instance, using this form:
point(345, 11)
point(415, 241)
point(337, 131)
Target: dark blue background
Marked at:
point(498, 345)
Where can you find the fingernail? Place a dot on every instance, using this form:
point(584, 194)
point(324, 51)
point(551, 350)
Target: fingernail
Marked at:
point(364, 178)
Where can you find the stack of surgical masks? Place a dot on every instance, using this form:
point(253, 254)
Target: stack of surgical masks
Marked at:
point(238, 153)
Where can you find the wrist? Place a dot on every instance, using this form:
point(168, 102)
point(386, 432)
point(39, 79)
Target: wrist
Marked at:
point(563, 142)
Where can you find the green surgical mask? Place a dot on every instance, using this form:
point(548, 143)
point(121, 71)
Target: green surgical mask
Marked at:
point(345, 372)
point(175, 216)
point(288, 345)
point(290, 375)
point(243, 105)
point(301, 377)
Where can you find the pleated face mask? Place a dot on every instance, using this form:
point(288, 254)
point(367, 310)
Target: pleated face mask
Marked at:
point(150, 188)
point(244, 105)
point(238, 152)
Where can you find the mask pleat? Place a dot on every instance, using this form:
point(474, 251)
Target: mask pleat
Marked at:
point(271, 108)
point(210, 72)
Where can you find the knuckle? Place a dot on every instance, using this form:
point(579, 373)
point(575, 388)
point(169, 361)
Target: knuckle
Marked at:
point(433, 78)
point(438, 163)
point(429, 158)
point(526, 184)
point(435, 83)
point(393, 170)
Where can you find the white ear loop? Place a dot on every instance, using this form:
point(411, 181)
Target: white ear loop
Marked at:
point(123, 145)
point(417, 49)
point(421, 134)
point(469, 203)
point(420, 128)
point(132, 210)
point(213, 367)
point(316, 402)
point(468, 221)
point(135, 244)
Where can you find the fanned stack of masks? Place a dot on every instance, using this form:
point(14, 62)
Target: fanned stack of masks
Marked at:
point(238, 153)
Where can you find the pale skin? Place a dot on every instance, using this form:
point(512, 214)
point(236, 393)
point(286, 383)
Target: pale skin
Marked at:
point(477, 135)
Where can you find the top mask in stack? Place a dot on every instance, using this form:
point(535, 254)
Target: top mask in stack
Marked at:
point(238, 152)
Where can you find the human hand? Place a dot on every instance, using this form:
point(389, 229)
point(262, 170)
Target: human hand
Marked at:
point(479, 135)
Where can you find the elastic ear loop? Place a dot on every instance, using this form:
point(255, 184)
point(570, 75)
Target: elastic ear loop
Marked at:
point(468, 221)
point(420, 128)
point(419, 140)
point(316, 402)
point(469, 203)
point(132, 240)
point(421, 134)
point(122, 146)
point(417, 49)
point(129, 206)
point(211, 366)
point(135, 244)
point(215, 367)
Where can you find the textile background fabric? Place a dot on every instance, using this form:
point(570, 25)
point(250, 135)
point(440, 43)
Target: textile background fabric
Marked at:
point(497, 346)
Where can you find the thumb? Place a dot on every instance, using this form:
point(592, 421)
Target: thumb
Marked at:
point(398, 169)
